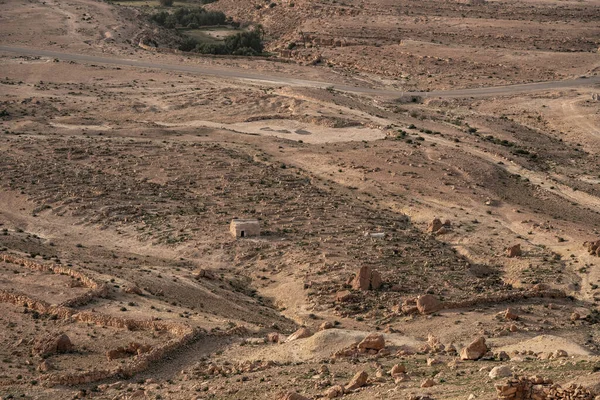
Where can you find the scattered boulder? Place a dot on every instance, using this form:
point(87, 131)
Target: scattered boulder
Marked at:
point(357, 381)
point(511, 314)
point(502, 356)
point(474, 350)
point(326, 325)
point(344, 296)
point(292, 396)
point(45, 366)
point(273, 337)
point(560, 354)
point(428, 304)
point(433, 361)
point(514, 251)
point(575, 316)
point(204, 274)
point(133, 289)
point(367, 279)
point(334, 391)
point(300, 334)
point(427, 383)
point(398, 369)
point(502, 371)
point(593, 247)
point(435, 225)
point(53, 344)
point(374, 341)
point(376, 280)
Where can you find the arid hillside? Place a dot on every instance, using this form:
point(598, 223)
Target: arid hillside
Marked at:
point(411, 246)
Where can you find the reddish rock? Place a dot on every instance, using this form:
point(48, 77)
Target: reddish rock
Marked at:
point(326, 325)
point(53, 344)
point(474, 350)
point(299, 334)
point(510, 314)
point(514, 251)
point(334, 392)
point(376, 280)
point(434, 225)
point(132, 289)
point(357, 381)
point(427, 383)
point(373, 341)
point(367, 279)
point(398, 369)
point(273, 337)
point(343, 296)
point(428, 304)
point(362, 281)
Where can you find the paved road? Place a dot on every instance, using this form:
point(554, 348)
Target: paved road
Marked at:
point(284, 80)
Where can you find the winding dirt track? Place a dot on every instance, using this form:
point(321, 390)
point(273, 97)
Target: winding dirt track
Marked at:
point(283, 80)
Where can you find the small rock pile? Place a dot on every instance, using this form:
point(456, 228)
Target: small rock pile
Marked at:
point(538, 388)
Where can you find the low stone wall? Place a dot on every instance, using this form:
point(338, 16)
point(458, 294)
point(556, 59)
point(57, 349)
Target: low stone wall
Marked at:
point(504, 297)
point(98, 289)
point(537, 388)
point(184, 334)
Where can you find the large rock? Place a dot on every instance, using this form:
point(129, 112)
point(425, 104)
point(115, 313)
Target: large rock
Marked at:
point(514, 251)
point(376, 280)
point(474, 350)
point(434, 225)
point(501, 371)
point(428, 304)
point(397, 369)
point(367, 279)
point(373, 341)
point(510, 313)
point(299, 334)
point(357, 381)
point(427, 383)
point(362, 281)
point(334, 391)
point(53, 344)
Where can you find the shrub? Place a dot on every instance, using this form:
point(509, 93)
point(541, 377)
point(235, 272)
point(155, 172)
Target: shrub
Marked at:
point(166, 3)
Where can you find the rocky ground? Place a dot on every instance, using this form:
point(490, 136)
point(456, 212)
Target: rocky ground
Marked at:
point(409, 248)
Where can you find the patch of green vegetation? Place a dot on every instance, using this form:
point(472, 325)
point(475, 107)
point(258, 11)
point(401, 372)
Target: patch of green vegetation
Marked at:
point(192, 18)
point(241, 44)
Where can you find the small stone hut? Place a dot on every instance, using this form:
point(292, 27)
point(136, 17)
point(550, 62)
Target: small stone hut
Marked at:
point(244, 227)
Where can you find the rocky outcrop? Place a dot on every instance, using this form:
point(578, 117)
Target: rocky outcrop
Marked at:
point(538, 388)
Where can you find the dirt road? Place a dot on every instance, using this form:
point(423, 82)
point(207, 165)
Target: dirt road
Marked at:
point(270, 78)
